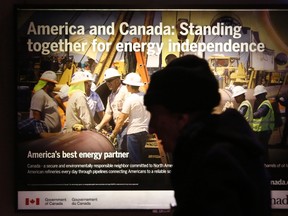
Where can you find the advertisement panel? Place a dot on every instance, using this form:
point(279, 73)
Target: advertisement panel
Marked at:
point(86, 167)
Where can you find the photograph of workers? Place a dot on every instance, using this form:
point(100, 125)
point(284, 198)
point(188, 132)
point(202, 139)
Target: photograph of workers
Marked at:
point(82, 76)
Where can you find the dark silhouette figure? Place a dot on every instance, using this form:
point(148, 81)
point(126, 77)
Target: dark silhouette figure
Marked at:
point(218, 166)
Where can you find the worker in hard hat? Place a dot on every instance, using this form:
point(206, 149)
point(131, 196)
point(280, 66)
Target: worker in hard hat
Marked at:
point(94, 101)
point(245, 107)
point(134, 110)
point(78, 114)
point(43, 106)
point(114, 105)
point(263, 117)
point(44, 117)
point(61, 98)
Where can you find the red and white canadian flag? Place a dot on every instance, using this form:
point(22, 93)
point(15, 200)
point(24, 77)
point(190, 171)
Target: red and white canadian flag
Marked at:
point(29, 201)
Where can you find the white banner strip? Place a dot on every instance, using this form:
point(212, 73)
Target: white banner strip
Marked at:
point(279, 199)
point(95, 199)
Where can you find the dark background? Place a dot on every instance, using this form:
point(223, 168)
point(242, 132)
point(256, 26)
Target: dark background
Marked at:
point(8, 87)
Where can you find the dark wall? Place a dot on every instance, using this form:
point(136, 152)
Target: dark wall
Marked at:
point(8, 87)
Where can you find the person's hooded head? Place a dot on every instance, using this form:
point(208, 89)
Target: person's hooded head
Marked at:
point(185, 85)
point(184, 90)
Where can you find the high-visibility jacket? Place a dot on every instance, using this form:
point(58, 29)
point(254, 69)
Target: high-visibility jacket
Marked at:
point(267, 122)
point(249, 113)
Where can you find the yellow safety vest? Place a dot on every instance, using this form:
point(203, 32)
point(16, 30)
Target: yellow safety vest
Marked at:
point(249, 113)
point(267, 122)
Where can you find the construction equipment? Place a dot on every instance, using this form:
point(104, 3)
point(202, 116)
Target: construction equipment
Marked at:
point(107, 58)
point(228, 70)
point(141, 65)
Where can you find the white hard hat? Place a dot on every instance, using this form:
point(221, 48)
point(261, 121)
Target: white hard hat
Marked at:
point(133, 79)
point(88, 74)
point(259, 89)
point(110, 73)
point(79, 76)
point(238, 90)
point(49, 76)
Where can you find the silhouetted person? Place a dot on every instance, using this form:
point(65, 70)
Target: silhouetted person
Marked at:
point(218, 166)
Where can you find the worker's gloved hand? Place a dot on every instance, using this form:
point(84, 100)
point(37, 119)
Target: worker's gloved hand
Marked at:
point(112, 137)
point(228, 104)
point(98, 128)
point(78, 127)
